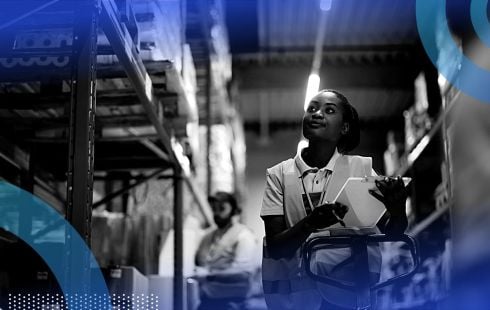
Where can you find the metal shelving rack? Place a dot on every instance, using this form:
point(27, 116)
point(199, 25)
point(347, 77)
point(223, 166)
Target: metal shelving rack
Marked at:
point(208, 42)
point(450, 97)
point(439, 128)
point(84, 137)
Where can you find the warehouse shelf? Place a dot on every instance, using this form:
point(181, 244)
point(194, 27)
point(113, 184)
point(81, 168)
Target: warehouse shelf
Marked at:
point(412, 155)
point(211, 57)
point(434, 216)
point(451, 96)
point(171, 89)
point(49, 89)
point(430, 216)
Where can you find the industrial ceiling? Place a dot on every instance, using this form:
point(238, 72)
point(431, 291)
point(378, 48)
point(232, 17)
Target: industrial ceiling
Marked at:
point(371, 53)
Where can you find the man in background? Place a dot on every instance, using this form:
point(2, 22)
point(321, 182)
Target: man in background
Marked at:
point(226, 258)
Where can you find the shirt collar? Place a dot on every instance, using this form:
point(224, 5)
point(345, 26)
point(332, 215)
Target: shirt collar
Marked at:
point(303, 167)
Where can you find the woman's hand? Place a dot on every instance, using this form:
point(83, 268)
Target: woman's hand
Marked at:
point(284, 242)
point(326, 215)
point(393, 195)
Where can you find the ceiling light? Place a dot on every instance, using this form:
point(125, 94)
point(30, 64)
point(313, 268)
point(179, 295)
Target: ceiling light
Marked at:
point(325, 5)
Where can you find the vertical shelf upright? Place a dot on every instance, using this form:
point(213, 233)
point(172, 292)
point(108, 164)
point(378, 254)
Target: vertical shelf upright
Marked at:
point(81, 134)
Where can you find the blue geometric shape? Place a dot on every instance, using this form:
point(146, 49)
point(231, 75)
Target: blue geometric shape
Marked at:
point(479, 19)
point(472, 79)
point(14, 200)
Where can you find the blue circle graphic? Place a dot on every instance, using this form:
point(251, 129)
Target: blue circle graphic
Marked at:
point(471, 78)
point(479, 19)
point(16, 202)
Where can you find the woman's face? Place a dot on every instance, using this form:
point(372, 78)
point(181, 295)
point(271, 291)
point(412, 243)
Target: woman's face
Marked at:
point(323, 118)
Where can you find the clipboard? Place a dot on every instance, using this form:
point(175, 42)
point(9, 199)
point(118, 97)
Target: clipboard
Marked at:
point(364, 209)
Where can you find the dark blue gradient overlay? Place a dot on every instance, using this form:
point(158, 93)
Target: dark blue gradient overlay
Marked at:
point(471, 287)
point(374, 22)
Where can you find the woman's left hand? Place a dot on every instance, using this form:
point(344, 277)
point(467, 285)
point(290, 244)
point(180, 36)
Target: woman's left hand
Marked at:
point(393, 195)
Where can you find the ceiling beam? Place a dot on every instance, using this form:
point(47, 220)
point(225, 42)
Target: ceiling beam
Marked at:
point(277, 76)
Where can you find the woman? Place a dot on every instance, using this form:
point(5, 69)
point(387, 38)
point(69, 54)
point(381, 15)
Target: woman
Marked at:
point(296, 193)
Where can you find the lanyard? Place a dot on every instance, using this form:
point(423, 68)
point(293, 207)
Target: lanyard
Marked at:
point(325, 185)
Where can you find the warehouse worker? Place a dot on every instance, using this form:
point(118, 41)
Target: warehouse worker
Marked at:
point(226, 258)
point(295, 205)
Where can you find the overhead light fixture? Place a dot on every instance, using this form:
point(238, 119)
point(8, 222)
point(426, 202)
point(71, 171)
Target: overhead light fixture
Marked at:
point(312, 88)
point(325, 5)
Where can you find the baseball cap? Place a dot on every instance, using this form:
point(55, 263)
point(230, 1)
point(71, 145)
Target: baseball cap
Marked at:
point(224, 197)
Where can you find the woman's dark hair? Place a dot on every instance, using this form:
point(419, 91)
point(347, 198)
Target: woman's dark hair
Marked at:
point(349, 141)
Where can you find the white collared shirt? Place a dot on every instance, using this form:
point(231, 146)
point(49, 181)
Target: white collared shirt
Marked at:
point(315, 180)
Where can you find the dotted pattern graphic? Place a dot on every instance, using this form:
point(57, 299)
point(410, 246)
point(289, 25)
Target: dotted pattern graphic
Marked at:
point(81, 301)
